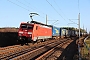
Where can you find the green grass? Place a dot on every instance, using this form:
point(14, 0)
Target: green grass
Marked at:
point(88, 42)
point(85, 51)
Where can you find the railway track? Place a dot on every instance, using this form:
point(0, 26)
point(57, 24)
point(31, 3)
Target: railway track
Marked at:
point(28, 52)
point(50, 55)
point(7, 51)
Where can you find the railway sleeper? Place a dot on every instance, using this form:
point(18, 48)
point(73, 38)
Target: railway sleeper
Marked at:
point(49, 53)
point(22, 49)
point(33, 53)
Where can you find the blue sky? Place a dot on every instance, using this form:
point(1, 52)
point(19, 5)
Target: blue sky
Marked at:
point(13, 12)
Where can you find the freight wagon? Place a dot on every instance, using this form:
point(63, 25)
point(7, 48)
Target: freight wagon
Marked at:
point(73, 34)
point(62, 33)
point(68, 33)
point(55, 32)
point(77, 33)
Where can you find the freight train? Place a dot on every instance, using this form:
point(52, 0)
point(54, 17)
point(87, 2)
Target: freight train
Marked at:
point(34, 31)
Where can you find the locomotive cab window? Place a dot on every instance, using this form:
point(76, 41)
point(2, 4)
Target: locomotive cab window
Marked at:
point(30, 27)
point(23, 26)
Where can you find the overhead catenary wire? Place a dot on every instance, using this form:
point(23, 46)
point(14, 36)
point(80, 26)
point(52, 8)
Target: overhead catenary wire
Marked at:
point(28, 7)
point(25, 8)
point(58, 7)
point(24, 4)
point(22, 7)
point(37, 9)
point(33, 6)
point(19, 5)
point(55, 10)
point(63, 12)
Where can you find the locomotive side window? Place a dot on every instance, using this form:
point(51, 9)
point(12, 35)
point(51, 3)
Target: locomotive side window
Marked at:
point(36, 27)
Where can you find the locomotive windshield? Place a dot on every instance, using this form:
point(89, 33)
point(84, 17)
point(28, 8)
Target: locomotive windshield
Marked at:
point(26, 26)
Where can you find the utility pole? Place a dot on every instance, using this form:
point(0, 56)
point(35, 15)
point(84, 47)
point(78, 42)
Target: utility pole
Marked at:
point(79, 36)
point(83, 29)
point(46, 19)
point(86, 30)
point(79, 24)
point(50, 20)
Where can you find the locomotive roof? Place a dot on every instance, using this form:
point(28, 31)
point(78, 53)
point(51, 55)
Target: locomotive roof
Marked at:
point(40, 23)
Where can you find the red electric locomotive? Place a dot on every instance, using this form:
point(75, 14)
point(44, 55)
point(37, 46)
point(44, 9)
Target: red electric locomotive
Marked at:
point(34, 31)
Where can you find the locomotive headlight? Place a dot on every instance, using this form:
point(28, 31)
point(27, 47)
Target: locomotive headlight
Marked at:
point(29, 32)
point(30, 35)
point(20, 32)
